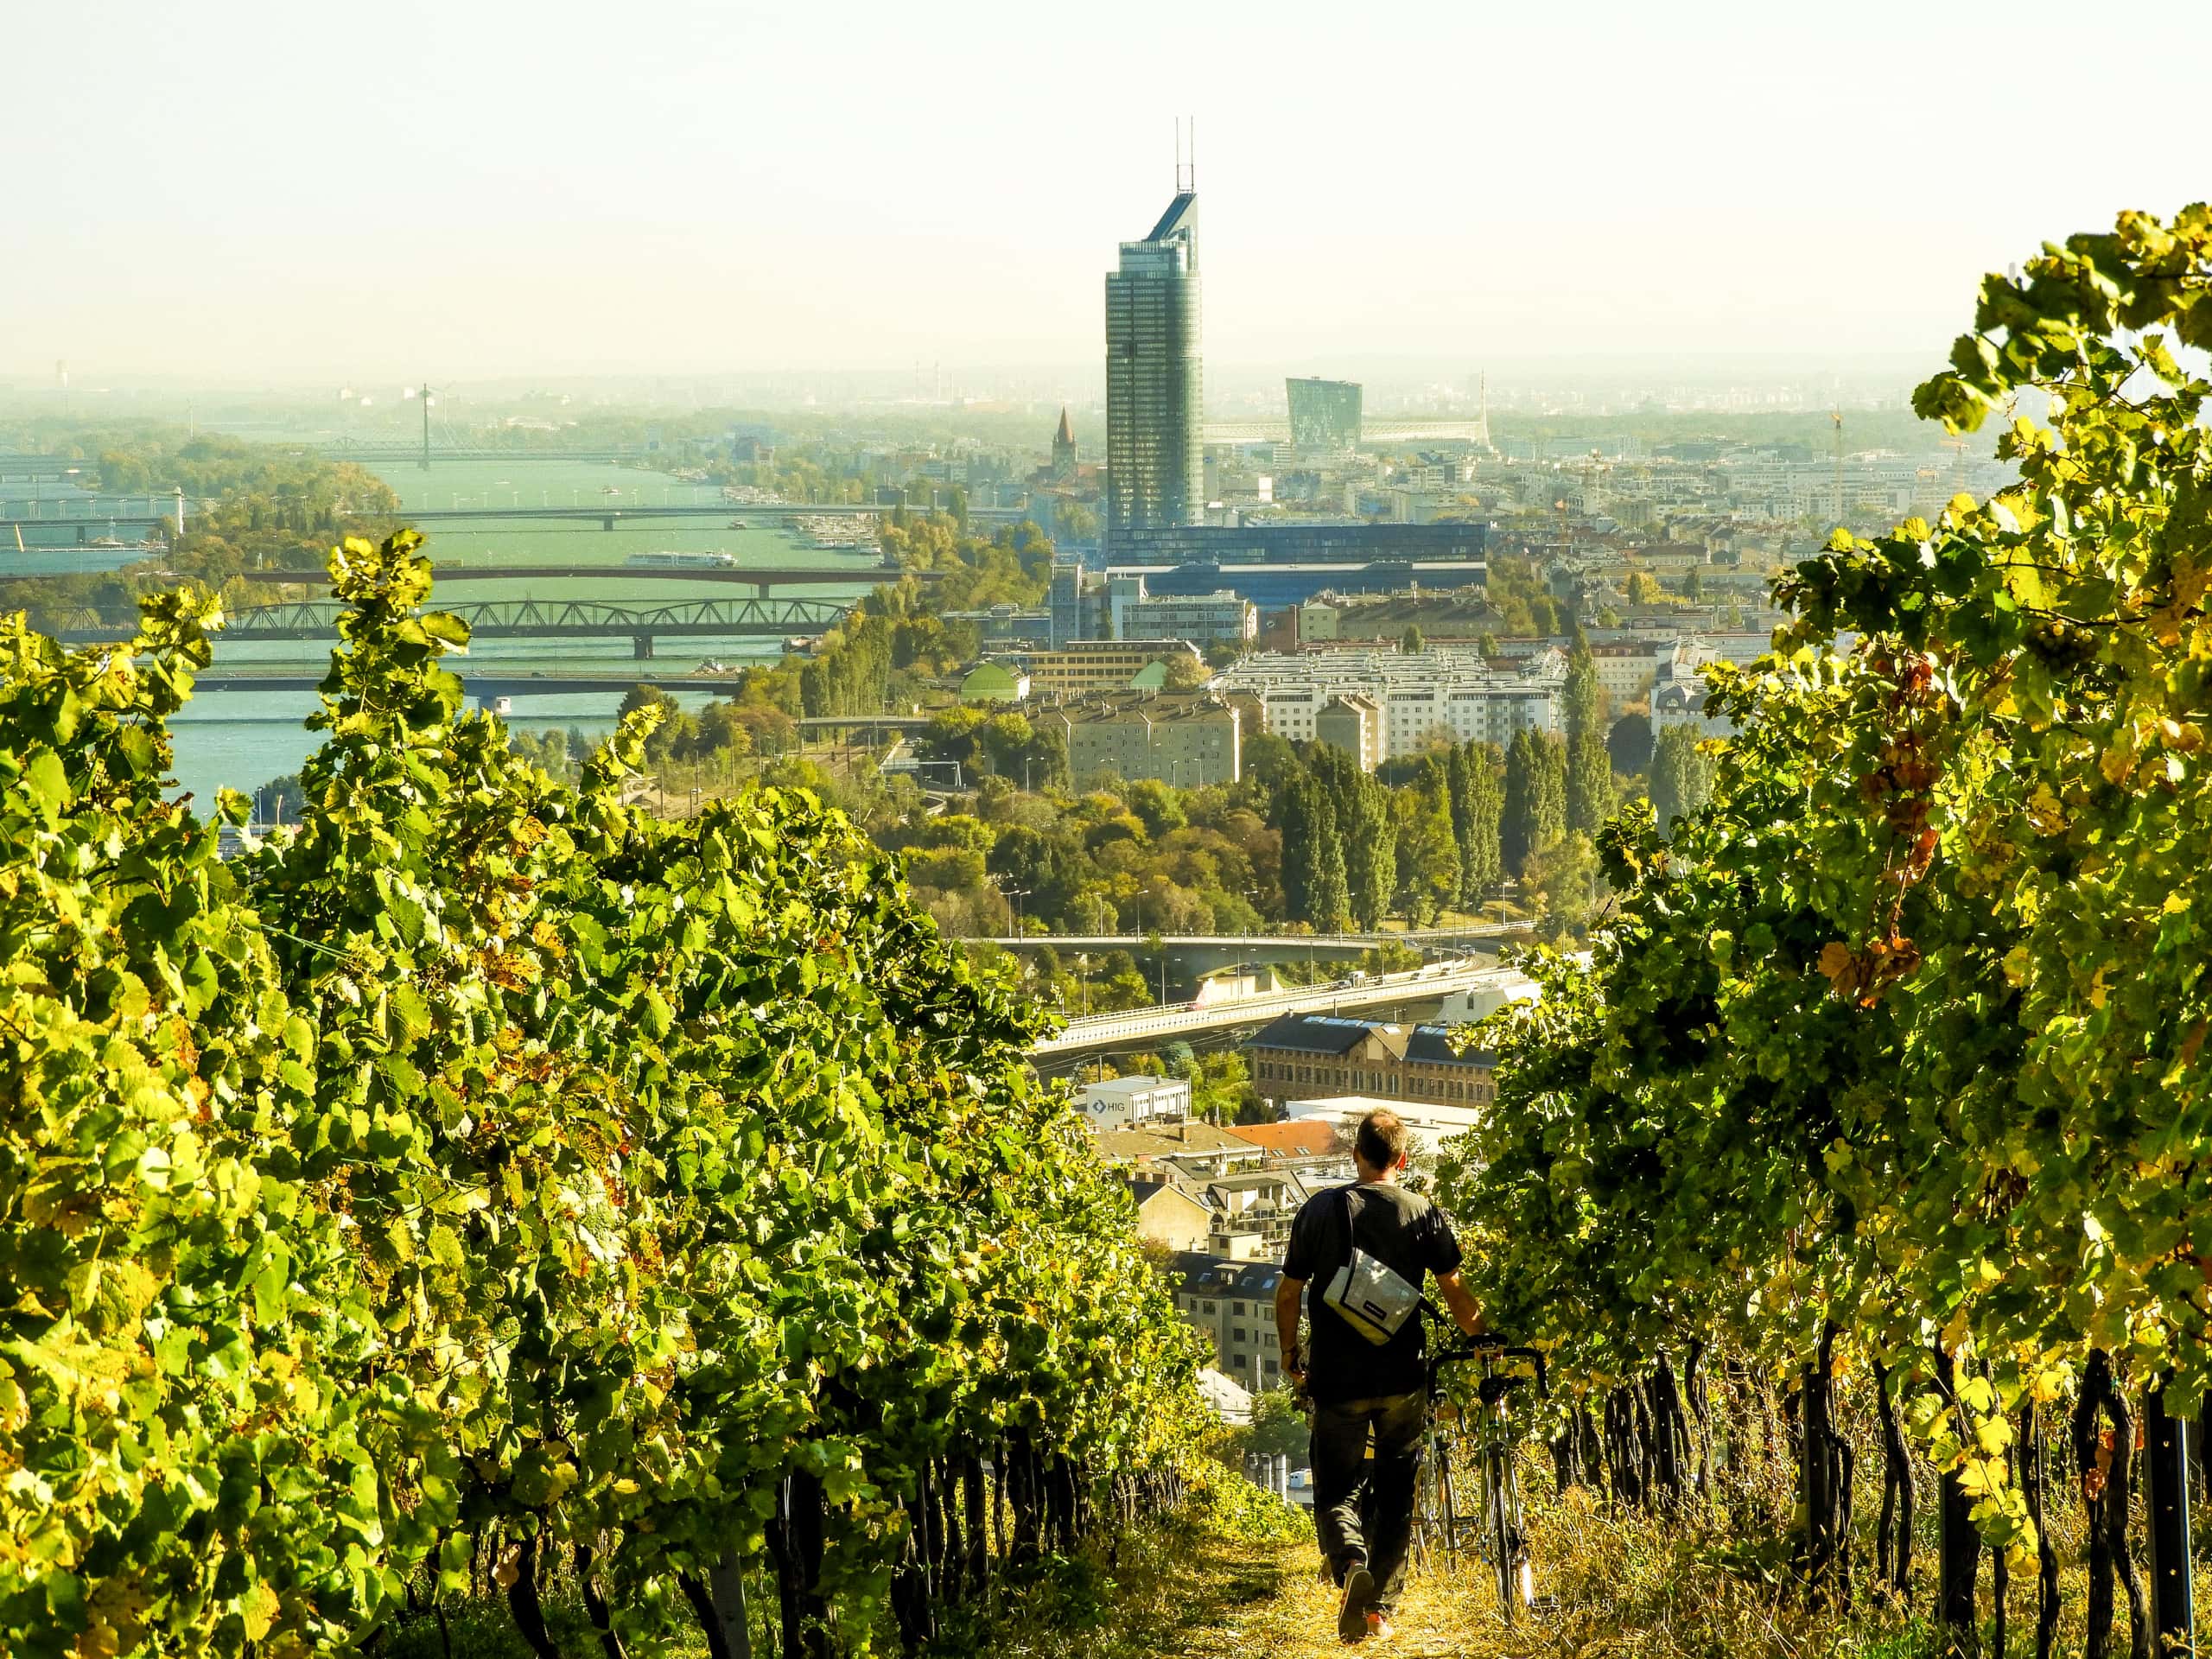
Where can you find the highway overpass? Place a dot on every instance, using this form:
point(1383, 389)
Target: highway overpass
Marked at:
point(1205, 952)
point(1104, 1033)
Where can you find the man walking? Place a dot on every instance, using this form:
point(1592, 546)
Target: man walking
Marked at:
point(1363, 1251)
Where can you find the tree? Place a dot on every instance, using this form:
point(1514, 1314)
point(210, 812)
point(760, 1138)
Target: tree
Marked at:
point(1560, 884)
point(1427, 848)
point(1328, 895)
point(1629, 744)
point(1411, 642)
point(1477, 806)
point(1589, 769)
point(641, 697)
point(1681, 776)
point(1518, 833)
point(1279, 1428)
point(1370, 855)
point(1314, 883)
point(1534, 813)
point(1549, 754)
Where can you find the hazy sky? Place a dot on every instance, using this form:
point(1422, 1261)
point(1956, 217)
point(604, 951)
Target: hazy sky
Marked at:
point(463, 187)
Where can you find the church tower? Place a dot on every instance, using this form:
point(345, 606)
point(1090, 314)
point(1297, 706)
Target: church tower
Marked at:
point(1064, 448)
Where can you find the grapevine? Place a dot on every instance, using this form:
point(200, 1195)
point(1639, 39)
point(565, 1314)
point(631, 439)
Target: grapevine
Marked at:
point(1890, 1070)
point(493, 1181)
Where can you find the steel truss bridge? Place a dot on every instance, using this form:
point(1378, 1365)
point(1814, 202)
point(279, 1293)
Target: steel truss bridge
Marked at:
point(535, 619)
point(759, 577)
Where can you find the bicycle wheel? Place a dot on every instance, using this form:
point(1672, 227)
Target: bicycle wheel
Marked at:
point(1424, 1514)
point(1497, 1523)
point(1448, 1508)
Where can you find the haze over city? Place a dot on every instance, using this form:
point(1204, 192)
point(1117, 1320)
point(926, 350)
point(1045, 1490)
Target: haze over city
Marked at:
point(287, 193)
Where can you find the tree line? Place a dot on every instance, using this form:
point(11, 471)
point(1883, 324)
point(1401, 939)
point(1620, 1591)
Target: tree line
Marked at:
point(246, 506)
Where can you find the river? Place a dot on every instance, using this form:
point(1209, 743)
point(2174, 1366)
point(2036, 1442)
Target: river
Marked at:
point(239, 740)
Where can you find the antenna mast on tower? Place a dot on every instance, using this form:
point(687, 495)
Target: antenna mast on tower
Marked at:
point(1187, 156)
point(1836, 416)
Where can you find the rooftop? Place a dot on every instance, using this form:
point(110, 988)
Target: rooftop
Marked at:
point(1170, 1140)
point(1194, 1271)
point(1306, 1139)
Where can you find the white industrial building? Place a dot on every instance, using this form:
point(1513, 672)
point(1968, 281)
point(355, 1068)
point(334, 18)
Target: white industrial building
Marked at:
point(1125, 1102)
point(1429, 1124)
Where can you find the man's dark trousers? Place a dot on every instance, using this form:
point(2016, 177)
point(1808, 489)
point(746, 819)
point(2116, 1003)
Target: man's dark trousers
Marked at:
point(1378, 1529)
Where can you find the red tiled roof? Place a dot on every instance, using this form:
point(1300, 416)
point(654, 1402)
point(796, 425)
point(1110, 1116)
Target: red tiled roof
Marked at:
point(1305, 1138)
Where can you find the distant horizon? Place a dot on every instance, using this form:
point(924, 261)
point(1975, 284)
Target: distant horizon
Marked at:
point(1714, 365)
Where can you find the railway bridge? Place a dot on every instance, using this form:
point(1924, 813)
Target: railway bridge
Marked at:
point(531, 619)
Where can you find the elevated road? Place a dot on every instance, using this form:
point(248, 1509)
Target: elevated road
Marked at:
point(1419, 939)
point(84, 523)
point(1102, 1034)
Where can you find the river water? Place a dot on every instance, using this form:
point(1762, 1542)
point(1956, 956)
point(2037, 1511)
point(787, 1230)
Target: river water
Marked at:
point(239, 740)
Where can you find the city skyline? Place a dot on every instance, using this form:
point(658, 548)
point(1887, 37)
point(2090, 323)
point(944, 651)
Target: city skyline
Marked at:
point(718, 193)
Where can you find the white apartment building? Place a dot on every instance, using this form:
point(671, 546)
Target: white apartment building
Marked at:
point(1740, 647)
point(1443, 691)
point(1627, 670)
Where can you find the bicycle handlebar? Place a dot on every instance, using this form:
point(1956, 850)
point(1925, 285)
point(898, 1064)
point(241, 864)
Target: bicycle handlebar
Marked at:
point(1490, 1346)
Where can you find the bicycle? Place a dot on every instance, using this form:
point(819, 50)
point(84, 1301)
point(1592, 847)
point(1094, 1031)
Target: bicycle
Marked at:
point(1501, 1536)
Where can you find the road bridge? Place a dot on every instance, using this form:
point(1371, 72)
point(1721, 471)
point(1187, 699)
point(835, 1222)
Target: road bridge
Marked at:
point(1103, 1034)
point(1204, 953)
point(532, 618)
point(761, 578)
point(44, 466)
point(87, 525)
point(412, 449)
point(864, 722)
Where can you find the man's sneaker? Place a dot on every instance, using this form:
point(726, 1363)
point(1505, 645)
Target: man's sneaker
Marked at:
point(1352, 1612)
point(1379, 1628)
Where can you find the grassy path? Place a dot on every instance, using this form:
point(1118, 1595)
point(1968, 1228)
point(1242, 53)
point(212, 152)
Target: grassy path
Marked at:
point(1191, 1594)
point(1233, 1586)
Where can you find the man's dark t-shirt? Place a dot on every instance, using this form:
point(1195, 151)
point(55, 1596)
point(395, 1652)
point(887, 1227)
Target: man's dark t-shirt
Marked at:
point(1406, 1234)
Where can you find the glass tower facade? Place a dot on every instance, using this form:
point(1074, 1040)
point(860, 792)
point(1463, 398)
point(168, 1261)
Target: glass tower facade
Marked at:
point(1324, 415)
point(1154, 441)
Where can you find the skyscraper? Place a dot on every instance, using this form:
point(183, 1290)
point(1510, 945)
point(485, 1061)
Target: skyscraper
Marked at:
point(1154, 442)
point(1324, 415)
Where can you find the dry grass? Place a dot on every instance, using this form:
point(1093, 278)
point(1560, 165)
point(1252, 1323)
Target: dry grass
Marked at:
point(1626, 1587)
point(1240, 1580)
